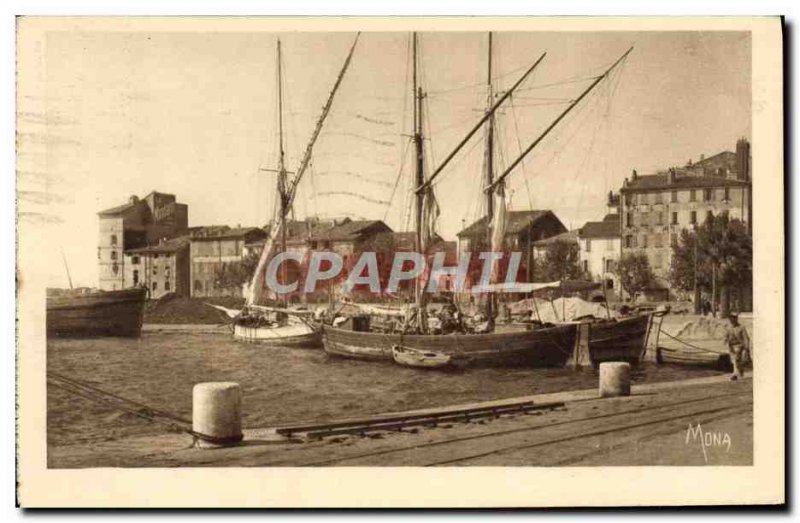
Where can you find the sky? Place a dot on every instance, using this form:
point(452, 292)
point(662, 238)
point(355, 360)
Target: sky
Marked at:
point(113, 114)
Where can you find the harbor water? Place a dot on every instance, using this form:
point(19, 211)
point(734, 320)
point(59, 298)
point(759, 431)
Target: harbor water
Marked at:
point(279, 385)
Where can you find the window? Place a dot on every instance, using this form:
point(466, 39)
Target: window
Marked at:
point(609, 244)
point(166, 285)
point(658, 240)
point(198, 285)
point(673, 239)
point(629, 242)
point(629, 219)
point(586, 266)
point(644, 241)
point(644, 219)
point(727, 196)
point(709, 215)
point(660, 218)
point(609, 283)
point(692, 195)
point(115, 268)
point(135, 260)
point(155, 285)
point(628, 200)
point(155, 270)
point(657, 261)
point(658, 198)
point(708, 195)
point(588, 245)
point(113, 255)
point(674, 218)
point(693, 217)
point(674, 197)
point(610, 266)
point(155, 256)
point(136, 277)
point(113, 239)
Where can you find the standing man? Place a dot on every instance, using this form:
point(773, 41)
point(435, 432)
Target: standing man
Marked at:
point(738, 342)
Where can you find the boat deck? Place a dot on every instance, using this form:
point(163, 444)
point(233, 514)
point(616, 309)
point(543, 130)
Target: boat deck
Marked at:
point(647, 428)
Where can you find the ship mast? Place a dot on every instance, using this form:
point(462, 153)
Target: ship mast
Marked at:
point(284, 203)
point(419, 178)
point(489, 175)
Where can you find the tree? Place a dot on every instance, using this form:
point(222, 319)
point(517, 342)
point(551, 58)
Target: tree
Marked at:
point(561, 261)
point(231, 276)
point(635, 273)
point(719, 254)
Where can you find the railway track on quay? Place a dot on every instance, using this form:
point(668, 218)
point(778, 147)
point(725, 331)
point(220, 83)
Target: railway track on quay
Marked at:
point(492, 446)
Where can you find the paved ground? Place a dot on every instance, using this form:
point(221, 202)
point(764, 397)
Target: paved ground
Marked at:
point(656, 425)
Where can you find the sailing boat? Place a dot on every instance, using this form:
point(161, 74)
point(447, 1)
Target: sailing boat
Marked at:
point(281, 325)
point(543, 347)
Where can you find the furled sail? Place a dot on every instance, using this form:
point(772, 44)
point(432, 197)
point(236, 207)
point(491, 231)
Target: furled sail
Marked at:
point(430, 215)
point(498, 225)
point(255, 290)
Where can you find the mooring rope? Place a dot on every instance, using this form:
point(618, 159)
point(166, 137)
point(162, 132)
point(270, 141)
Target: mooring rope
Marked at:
point(701, 349)
point(90, 392)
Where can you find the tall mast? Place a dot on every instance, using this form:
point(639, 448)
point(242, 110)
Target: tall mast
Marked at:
point(489, 174)
point(419, 179)
point(281, 164)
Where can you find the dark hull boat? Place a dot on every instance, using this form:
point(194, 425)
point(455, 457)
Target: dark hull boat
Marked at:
point(550, 347)
point(623, 340)
point(94, 314)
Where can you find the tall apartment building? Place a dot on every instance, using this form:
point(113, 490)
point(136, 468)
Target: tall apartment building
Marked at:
point(656, 207)
point(138, 223)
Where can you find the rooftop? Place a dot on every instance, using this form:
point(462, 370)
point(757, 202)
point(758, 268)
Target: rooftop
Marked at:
point(660, 181)
point(516, 221)
point(229, 234)
point(351, 230)
point(567, 237)
point(170, 245)
point(608, 228)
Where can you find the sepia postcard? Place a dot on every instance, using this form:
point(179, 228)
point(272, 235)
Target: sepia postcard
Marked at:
point(399, 262)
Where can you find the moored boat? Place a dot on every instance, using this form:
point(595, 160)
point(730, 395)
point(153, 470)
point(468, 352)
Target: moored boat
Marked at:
point(694, 358)
point(547, 347)
point(419, 358)
point(619, 340)
point(71, 314)
point(290, 334)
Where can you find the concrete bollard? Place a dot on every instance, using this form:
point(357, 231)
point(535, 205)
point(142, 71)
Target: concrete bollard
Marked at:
point(217, 413)
point(615, 379)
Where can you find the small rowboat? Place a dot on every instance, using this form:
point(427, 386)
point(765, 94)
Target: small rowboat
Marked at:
point(419, 358)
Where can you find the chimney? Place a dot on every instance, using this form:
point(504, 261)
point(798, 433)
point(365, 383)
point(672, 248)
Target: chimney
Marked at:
point(671, 176)
point(743, 159)
point(634, 174)
point(133, 199)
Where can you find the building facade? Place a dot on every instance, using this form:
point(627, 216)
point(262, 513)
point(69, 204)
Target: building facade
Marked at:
point(162, 268)
point(600, 250)
point(655, 208)
point(138, 223)
point(211, 251)
point(524, 229)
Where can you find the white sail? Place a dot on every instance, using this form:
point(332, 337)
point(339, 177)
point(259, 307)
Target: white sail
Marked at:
point(498, 225)
point(255, 291)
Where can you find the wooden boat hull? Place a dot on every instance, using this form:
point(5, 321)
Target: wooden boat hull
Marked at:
point(295, 335)
point(622, 340)
point(111, 313)
point(550, 347)
point(419, 359)
point(692, 358)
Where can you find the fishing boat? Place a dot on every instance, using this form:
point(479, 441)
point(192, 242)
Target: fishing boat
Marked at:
point(544, 346)
point(549, 347)
point(694, 358)
point(424, 359)
point(281, 325)
point(76, 314)
point(619, 340)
